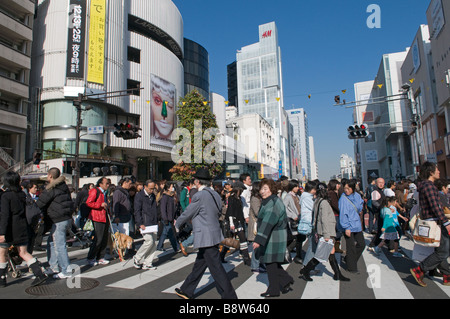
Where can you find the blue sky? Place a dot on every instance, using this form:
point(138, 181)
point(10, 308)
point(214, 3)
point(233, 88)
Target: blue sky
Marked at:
point(326, 47)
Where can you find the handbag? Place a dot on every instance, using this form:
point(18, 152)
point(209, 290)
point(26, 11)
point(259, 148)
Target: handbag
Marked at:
point(293, 226)
point(231, 242)
point(426, 232)
point(306, 227)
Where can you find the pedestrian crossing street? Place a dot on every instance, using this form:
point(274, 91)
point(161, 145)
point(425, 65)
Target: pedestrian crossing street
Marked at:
point(380, 277)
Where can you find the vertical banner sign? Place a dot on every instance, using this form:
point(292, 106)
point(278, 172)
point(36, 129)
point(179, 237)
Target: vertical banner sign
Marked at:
point(96, 55)
point(76, 39)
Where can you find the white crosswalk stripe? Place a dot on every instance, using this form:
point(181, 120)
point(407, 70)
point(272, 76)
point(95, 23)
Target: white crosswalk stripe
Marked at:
point(386, 284)
point(323, 285)
point(233, 261)
point(380, 276)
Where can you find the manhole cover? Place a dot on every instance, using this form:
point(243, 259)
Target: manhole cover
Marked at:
point(63, 287)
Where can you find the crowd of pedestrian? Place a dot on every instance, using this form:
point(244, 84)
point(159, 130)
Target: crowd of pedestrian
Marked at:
point(265, 221)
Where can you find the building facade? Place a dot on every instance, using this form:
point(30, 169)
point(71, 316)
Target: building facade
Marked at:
point(426, 122)
point(196, 68)
point(260, 86)
point(347, 167)
point(438, 17)
point(16, 36)
point(97, 47)
point(387, 151)
point(299, 121)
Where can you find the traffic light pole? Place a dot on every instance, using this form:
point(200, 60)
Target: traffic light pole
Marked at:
point(375, 100)
point(77, 104)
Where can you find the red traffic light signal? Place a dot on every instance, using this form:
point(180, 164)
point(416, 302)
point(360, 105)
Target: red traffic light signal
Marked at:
point(358, 131)
point(127, 131)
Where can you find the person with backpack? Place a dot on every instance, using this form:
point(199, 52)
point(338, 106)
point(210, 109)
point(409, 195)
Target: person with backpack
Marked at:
point(80, 204)
point(13, 229)
point(98, 205)
point(57, 203)
point(121, 207)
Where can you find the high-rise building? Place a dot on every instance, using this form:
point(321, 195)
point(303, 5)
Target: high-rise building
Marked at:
point(299, 121)
point(260, 86)
point(312, 158)
point(386, 152)
point(16, 35)
point(196, 68)
point(347, 167)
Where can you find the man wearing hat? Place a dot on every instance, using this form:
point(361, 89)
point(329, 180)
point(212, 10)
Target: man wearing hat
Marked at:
point(204, 211)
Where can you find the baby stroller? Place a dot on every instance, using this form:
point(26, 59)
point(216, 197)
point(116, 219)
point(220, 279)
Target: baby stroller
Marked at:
point(14, 260)
point(83, 236)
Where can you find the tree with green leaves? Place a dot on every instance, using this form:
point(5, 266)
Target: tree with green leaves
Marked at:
point(198, 138)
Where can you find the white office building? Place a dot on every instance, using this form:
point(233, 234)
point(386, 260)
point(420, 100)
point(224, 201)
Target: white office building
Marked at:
point(312, 158)
point(260, 86)
point(299, 121)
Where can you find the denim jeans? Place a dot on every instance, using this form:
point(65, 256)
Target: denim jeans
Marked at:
point(188, 241)
point(168, 233)
point(58, 258)
point(255, 264)
point(440, 255)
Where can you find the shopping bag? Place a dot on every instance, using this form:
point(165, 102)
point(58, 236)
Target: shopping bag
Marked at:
point(89, 226)
point(323, 249)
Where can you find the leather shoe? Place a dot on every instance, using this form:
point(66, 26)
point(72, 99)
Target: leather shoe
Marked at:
point(286, 289)
point(181, 294)
point(183, 251)
point(267, 295)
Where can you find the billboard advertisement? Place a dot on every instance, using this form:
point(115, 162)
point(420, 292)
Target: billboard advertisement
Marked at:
point(96, 53)
point(162, 105)
point(76, 39)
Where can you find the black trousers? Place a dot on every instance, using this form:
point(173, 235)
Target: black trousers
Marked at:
point(209, 257)
point(278, 278)
point(98, 247)
point(355, 245)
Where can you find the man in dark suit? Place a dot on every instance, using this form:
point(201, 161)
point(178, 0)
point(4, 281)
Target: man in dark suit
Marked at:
point(204, 211)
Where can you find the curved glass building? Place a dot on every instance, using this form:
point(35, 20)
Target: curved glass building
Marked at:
point(196, 68)
point(99, 47)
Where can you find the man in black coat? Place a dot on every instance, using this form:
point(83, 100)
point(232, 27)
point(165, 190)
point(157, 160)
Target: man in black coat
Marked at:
point(57, 203)
point(146, 215)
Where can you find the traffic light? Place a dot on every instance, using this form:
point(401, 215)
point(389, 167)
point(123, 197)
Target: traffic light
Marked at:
point(126, 131)
point(364, 130)
point(352, 132)
point(337, 99)
point(358, 131)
